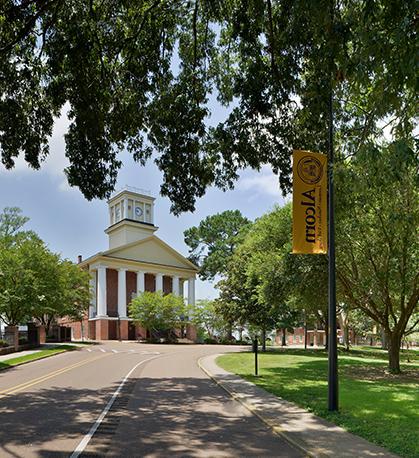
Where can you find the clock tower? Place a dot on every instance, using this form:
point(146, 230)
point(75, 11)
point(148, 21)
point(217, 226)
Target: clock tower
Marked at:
point(131, 216)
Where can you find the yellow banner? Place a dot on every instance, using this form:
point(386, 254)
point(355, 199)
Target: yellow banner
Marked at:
point(309, 204)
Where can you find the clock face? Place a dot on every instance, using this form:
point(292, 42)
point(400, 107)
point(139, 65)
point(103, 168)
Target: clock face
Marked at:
point(138, 211)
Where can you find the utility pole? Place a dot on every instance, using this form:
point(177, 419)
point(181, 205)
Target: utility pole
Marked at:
point(333, 400)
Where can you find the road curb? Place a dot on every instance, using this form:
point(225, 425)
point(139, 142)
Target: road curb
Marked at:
point(271, 425)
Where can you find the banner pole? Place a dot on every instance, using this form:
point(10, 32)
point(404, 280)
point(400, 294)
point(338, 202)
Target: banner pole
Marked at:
point(333, 404)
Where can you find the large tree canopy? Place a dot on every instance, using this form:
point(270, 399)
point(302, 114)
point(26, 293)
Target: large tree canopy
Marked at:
point(377, 240)
point(212, 243)
point(34, 282)
point(138, 75)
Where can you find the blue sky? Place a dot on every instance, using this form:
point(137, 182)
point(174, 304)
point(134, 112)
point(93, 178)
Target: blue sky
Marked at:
point(71, 225)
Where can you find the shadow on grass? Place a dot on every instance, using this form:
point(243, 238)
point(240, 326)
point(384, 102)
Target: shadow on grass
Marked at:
point(377, 406)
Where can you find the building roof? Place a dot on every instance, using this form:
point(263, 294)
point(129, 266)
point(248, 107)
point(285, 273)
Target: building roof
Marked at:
point(151, 251)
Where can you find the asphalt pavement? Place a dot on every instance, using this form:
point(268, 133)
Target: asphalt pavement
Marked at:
point(128, 400)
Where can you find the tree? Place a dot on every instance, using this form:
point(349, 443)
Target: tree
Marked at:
point(212, 242)
point(11, 221)
point(34, 282)
point(252, 290)
point(19, 291)
point(378, 248)
point(293, 284)
point(270, 62)
point(159, 314)
point(205, 316)
point(65, 291)
point(11, 224)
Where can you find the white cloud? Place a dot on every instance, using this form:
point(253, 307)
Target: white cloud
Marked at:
point(263, 182)
point(56, 161)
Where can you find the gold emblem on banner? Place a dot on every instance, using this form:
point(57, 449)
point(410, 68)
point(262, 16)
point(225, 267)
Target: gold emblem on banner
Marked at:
point(309, 208)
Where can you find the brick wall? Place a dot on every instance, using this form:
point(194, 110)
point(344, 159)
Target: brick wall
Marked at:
point(112, 292)
point(150, 283)
point(167, 285)
point(131, 285)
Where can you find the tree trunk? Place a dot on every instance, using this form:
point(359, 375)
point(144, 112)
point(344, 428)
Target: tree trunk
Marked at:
point(284, 337)
point(241, 334)
point(305, 336)
point(263, 340)
point(346, 337)
point(384, 342)
point(230, 332)
point(394, 341)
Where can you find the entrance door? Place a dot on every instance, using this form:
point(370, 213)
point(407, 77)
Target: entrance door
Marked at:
point(112, 330)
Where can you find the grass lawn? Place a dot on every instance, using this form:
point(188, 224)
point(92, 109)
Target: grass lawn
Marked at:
point(34, 356)
point(380, 407)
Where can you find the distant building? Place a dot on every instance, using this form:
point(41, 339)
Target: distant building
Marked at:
point(136, 261)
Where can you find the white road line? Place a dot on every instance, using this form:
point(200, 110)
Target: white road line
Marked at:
point(89, 350)
point(104, 351)
point(132, 351)
point(86, 439)
point(115, 351)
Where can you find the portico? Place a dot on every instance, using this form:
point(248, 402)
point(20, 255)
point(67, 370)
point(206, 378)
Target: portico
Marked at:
point(129, 283)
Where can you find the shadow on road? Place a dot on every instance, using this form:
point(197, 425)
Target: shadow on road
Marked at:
point(152, 417)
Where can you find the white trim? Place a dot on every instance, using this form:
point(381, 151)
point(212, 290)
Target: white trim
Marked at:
point(102, 310)
point(122, 292)
point(159, 282)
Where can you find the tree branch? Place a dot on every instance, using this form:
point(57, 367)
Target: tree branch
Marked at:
point(27, 27)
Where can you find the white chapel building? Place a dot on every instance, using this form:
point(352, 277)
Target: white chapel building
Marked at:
point(136, 261)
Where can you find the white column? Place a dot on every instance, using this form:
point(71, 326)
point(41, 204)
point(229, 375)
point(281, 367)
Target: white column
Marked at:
point(152, 213)
point(159, 282)
point(140, 282)
point(122, 293)
point(175, 285)
point(101, 291)
point(191, 291)
point(92, 287)
point(126, 208)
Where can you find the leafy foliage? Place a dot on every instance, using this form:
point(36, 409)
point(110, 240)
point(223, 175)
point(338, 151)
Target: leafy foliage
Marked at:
point(34, 282)
point(212, 242)
point(378, 261)
point(159, 313)
point(206, 317)
point(138, 75)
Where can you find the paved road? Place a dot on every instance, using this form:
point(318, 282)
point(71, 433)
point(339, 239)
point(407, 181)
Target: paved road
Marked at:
point(167, 407)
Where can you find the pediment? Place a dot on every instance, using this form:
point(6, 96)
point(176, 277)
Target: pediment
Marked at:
point(151, 250)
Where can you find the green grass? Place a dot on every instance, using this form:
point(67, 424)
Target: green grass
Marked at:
point(380, 407)
point(34, 356)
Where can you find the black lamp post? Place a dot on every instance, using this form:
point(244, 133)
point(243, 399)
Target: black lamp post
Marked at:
point(333, 403)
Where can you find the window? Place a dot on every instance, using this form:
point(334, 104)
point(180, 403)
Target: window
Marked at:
point(117, 213)
point(148, 213)
point(130, 209)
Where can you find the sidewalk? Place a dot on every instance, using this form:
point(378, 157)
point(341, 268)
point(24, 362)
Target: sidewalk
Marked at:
point(18, 354)
point(311, 434)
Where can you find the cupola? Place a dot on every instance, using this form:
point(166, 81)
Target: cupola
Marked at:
point(131, 216)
